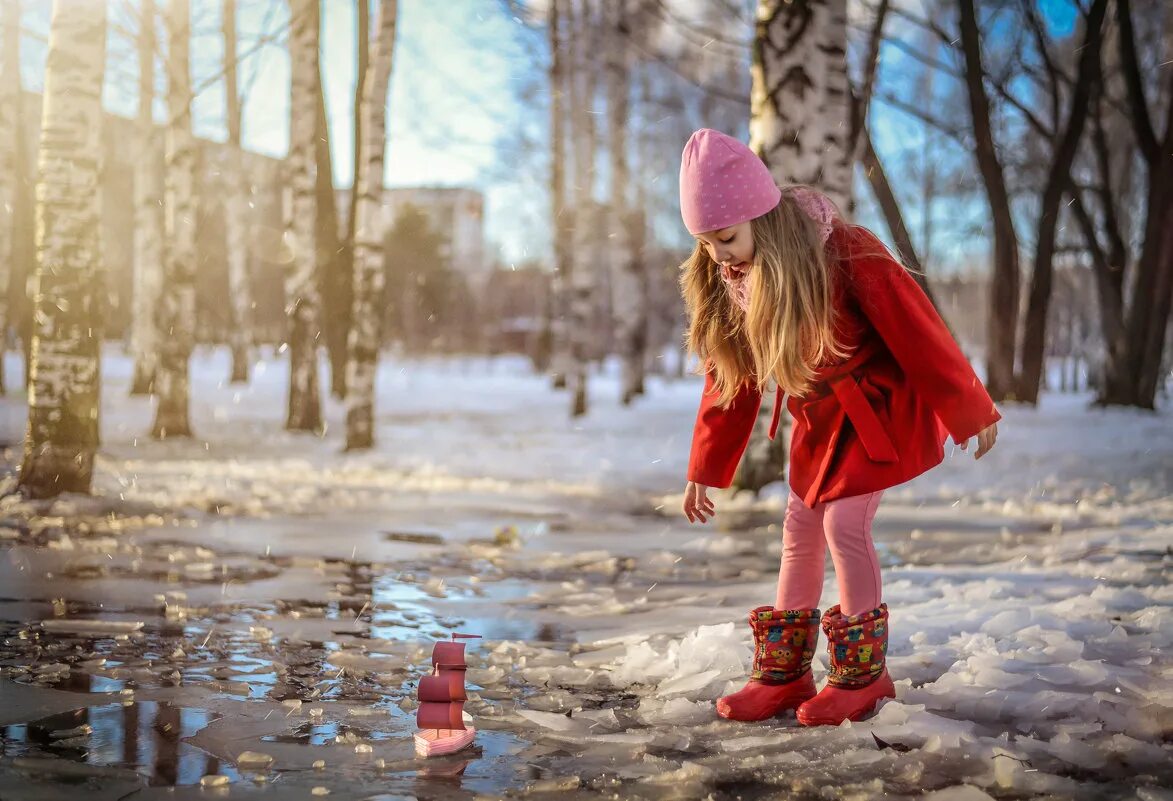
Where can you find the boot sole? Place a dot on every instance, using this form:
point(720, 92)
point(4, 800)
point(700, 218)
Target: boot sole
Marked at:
point(777, 714)
point(807, 720)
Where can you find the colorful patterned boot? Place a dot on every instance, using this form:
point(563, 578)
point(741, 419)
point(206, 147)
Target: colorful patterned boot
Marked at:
point(784, 644)
point(858, 679)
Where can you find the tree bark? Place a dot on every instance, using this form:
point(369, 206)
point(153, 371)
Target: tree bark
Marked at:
point(365, 332)
point(176, 310)
point(148, 216)
point(552, 344)
point(335, 289)
point(64, 398)
point(588, 216)
point(1133, 378)
point(347, 264)
point(301, 285)
point(10, 156)
point(237, 215)
point(1002, 324)
point(628, 285)
point(799, 101)
point(1058, 180)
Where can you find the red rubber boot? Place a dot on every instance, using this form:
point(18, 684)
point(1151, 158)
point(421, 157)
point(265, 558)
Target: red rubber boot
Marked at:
point(858, 679)
point(784, 644)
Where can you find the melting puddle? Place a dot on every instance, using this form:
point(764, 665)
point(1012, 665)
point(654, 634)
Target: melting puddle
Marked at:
point(401, 609)
point(144, 736)
point(329, 732)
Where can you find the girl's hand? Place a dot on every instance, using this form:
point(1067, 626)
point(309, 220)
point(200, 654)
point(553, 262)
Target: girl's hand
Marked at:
point(696, 504)
point(986, 438)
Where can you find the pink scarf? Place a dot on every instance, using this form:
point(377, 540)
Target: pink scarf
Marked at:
point(818, 207)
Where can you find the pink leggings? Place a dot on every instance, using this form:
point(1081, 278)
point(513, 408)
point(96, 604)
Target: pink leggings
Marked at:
point(845, 525)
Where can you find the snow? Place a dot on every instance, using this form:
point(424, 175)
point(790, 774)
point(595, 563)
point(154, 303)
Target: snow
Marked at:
point(1029, 594)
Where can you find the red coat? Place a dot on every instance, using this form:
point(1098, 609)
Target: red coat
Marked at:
point(876, 420)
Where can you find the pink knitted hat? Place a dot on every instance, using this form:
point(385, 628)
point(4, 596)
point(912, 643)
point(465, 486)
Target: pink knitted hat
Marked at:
point(722, 183)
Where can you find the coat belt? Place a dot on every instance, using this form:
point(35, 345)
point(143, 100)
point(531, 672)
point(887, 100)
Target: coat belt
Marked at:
point(841, 382)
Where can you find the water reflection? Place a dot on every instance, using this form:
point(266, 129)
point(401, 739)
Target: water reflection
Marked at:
point(144, 736)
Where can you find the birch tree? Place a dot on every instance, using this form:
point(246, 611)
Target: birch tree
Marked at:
point(799, 112)
point(588, 224)
point(237, 215)
point(10, 120)
point(799, 125)
point(629, 283)
point(346, 249)
point(334, 289)
point(148, 216)
point(176, 310)
point(550, 346)
point(365, 336)
point(301, 285)
point(64, 385)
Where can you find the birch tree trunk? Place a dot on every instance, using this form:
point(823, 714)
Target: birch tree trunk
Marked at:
point(301, 286)
point(629, 285)
point(148, 216)
point(346, 250)
point(177, 300)
point(588, 224)
point(800, 121)
point(10, 88)
point(237, 215)
point(551, 346)
point(64, 389)
point(799, 100)
point(334, 289)
point(365, 333)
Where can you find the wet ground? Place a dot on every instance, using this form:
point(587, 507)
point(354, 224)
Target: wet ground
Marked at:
point(250, 615)
point(142, 654)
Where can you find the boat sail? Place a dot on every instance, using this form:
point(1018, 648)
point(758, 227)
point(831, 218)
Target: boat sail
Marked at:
point(440, 718)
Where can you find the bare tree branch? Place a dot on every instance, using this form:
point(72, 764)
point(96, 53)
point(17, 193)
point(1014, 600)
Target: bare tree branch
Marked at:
point(707, 35)
point(1141, 122)
point(715, 91)
point(1040, 35)
point(916, 54)
point(954, 132)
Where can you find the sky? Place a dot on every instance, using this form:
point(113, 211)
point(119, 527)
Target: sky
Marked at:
point(453, 107)
point(450, 101)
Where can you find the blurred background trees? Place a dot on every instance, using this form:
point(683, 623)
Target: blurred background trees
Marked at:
point(1018, 155)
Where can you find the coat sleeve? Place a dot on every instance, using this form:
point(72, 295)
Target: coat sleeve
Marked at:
point(918, 338)
point(720, 436)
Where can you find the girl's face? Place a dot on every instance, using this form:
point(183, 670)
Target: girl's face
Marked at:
point(732, 248)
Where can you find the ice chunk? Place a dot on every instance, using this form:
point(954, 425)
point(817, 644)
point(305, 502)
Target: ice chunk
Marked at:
point(708, 648)
point(253, 759)
point(963, 792)
point(98, 627)
point(688, 684)
point(676, 712)
point(552, 720)
point(1007, 623)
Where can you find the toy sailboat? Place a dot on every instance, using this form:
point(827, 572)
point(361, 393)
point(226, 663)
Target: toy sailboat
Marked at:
point(440, 718)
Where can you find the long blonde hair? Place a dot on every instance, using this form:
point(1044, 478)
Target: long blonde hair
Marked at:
point(789, 327)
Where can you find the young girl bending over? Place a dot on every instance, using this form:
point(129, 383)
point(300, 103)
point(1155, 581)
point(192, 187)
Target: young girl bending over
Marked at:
point(781, 288)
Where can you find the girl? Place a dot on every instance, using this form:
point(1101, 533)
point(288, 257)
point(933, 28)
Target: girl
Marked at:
point(780, 288)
